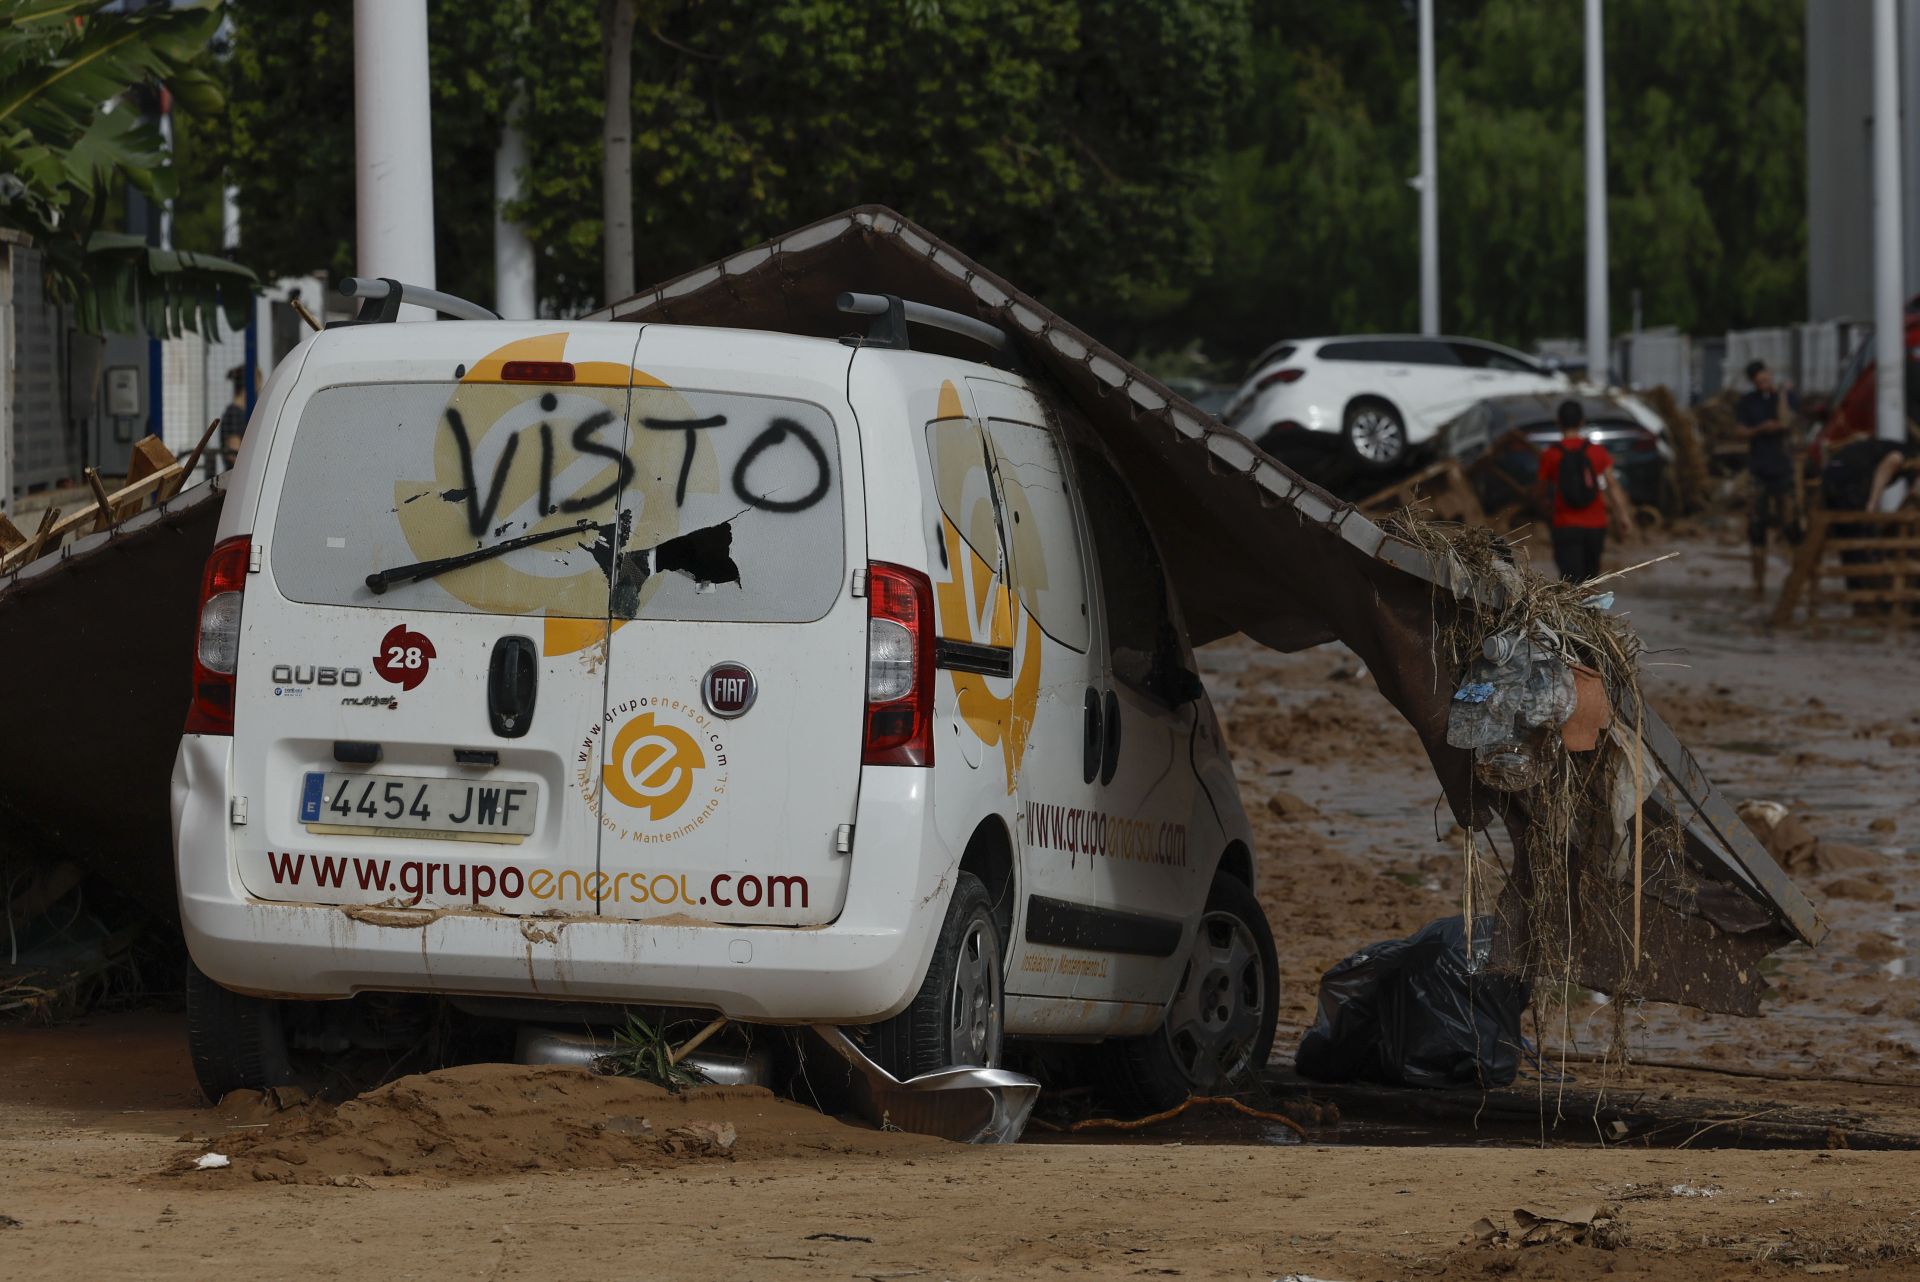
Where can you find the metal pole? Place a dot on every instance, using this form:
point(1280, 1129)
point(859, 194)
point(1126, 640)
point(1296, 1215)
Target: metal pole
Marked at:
point(1429, 183)
point(513, 294)
point(1889, 313)
point(393, 144)
point(1598, 328)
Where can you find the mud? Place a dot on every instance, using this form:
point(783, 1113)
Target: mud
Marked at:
point(488, 1120)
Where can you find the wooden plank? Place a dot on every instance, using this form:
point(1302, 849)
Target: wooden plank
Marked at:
point(32, 548)
point(150, 455)
point(72, 521)
point(1398, 494)
point(1873, 545)
point(1805, 559)
point(193, 461)
point(10, 536)
point(1875, 596)
point(144, 486)
point(102, 505)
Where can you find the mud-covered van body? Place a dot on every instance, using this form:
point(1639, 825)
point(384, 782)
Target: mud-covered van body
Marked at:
point(782, 678)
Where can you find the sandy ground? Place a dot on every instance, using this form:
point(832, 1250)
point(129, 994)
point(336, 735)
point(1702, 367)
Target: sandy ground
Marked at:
point(491, 1172)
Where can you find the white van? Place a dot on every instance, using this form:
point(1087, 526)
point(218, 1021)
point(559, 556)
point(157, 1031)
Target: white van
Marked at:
point(785, 679)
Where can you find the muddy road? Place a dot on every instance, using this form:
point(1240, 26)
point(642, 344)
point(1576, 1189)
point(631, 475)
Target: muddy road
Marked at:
point(490, 1171)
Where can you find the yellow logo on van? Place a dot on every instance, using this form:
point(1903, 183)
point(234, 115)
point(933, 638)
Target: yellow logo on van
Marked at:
point(972, 603)
point(651, 766)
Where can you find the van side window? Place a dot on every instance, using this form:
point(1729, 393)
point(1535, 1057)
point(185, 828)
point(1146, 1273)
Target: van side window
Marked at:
point(1049, 572)
point(1142, 642)
point(963, 484)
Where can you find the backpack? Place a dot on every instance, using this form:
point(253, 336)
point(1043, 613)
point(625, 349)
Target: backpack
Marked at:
point(1579, 487)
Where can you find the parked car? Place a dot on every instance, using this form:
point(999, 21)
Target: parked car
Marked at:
point(1378, 395)
point(728, 672)
point(1515, 429)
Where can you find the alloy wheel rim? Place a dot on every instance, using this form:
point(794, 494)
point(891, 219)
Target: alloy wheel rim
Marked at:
point(973, 1008)
point(1375, 435)
point(1214, 1021)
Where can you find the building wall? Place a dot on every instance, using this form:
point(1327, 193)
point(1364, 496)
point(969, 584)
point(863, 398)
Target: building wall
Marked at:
point(1839, 50)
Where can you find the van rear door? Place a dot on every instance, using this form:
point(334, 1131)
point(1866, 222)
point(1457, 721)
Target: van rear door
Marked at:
point(730, 744)
point(414, 742)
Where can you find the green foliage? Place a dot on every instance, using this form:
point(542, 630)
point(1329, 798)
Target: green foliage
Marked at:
point(1315, 225)
point(645, 1051)
point(286, 138)
point(1156, 169)
point(62, 151)
point(1067, 142)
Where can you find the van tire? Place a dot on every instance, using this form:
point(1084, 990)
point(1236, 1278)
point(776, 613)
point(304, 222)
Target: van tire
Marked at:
point(1159, 1070)
point(961, 1004)
point(237, 1042)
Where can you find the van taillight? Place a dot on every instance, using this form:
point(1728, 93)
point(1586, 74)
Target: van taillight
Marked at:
point(216, 650)
point(899, 667)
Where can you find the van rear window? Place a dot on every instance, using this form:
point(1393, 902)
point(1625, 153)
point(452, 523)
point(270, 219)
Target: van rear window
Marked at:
point(656, 503)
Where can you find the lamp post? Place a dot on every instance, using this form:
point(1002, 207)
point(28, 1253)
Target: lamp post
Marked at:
point(1597, 315)
point(1429, 183)
point(393, 144)
point(1889, 311)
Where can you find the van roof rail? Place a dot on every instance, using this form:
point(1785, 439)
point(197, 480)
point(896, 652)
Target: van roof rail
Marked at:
point(382, 297)
point(892, 314)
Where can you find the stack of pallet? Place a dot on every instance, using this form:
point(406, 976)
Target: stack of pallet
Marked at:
point(1874, 555)
point(153, 473)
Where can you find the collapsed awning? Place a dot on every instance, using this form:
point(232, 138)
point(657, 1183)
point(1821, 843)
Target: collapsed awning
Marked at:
point(97, 637)
point(1251, 547)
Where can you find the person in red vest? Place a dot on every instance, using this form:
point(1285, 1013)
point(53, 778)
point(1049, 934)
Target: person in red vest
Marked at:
point(1577, 486)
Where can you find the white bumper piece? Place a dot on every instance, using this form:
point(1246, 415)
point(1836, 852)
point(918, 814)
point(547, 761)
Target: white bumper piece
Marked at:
point(865, 966)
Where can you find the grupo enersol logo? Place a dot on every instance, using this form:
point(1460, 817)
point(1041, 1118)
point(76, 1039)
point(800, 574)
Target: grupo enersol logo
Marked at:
point(664, 772)
point(651, 767)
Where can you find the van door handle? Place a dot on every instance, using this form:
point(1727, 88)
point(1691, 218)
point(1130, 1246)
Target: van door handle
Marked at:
point(512, 681)
point(1094, 744)
point(1110, 740)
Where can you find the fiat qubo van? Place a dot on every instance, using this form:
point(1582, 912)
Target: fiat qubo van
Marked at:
point(782, 679)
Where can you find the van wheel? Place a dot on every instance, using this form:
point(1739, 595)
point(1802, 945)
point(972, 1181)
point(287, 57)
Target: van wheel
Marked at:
point(957, 1017)
point(1374, 434)
point(1219, 1026)
point(238, 1042)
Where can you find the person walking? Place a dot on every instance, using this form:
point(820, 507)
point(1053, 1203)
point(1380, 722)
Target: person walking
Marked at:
point(233, 419)
point(1577, 488)
point(1774, 502)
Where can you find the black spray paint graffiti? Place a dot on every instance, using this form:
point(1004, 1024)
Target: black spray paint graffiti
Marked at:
point(481, 511)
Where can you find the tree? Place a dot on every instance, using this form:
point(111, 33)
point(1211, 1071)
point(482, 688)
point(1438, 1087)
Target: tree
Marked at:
point(1068, 143)
point(62, 152)
point(1705, 159)
point(285, 139)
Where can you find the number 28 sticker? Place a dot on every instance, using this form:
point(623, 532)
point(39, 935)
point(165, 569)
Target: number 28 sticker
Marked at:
point(403, 657)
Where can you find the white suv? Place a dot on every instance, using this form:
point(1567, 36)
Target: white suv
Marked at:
point(795, 680)
point(1382, 394)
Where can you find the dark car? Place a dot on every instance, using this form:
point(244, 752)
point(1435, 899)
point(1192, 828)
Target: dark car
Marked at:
point(1515, 429)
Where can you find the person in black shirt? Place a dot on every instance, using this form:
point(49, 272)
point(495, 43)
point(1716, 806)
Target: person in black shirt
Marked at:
point(233, 419)
point(1761, 415)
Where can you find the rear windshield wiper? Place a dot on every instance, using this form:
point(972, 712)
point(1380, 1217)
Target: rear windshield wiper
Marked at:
point(380, 579)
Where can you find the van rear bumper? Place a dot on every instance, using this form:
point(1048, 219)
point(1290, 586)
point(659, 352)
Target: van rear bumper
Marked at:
point(866, 965)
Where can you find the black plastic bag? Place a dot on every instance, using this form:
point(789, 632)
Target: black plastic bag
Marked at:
point(1418, 1012)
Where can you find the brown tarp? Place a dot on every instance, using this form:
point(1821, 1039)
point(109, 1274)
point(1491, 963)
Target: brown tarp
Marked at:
point(96, 648)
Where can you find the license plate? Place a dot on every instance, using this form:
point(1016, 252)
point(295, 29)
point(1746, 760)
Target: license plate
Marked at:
point(452, 808)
